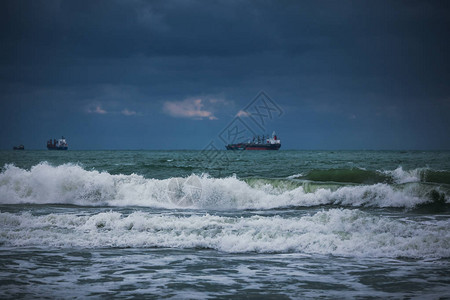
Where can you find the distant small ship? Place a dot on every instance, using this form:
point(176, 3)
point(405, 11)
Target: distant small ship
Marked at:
point(20, 147)
point(258, 143)
point(60, 144)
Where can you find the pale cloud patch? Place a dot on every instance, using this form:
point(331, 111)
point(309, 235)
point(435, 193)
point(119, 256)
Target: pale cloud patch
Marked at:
point(127, 112)
point(96, 109)
point(188, 108)
point(242, 113)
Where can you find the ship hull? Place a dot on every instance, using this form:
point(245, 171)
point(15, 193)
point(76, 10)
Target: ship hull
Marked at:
point(57, 148)
point(249, 146)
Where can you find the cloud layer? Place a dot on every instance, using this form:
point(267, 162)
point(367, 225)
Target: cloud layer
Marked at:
point(96, 109)
point(188, 108)
point(349, 75)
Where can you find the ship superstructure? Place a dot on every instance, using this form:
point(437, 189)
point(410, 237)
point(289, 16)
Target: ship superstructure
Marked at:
point(59, 144)
point(258, 143)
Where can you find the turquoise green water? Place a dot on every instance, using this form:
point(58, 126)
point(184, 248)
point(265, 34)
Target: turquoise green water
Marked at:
point(276, 164)
point(189, 224)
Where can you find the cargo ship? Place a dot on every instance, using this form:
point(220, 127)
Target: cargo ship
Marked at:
point(258, 143)
point(60, 144)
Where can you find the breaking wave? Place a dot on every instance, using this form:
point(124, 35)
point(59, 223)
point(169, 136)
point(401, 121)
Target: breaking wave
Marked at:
point(362, 176)
point(340, 232)
point(71, 184)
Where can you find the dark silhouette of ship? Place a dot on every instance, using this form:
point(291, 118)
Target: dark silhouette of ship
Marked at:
point(258, 143)
point(60, 144)
point(20, 147)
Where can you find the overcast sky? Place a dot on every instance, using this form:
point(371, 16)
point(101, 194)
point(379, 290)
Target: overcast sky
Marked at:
point(176, 74)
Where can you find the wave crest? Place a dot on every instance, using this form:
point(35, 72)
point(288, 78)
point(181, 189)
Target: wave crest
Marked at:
point(71, 184)
point(363, 176)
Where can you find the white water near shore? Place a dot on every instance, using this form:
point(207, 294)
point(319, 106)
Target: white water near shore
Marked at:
point(340, 232)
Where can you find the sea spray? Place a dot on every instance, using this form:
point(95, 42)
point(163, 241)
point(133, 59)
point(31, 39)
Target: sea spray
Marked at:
point(71, 184)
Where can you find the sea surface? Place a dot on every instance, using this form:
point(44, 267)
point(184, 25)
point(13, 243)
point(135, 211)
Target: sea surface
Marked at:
point(243, 225)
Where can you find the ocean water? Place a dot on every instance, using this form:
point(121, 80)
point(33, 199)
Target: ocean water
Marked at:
point(251, 224)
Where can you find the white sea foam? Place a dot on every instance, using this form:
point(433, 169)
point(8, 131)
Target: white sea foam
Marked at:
point(401, 176)
point(295, 176)
point(337, 231)
point(71, 184)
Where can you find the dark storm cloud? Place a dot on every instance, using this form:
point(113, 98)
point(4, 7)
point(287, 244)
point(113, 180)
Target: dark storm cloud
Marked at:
point(124, 28)
point(197, 28)
point(89, 38)
point(359, 65)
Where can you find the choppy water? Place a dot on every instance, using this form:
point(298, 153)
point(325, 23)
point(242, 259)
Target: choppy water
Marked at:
point(185, 224)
